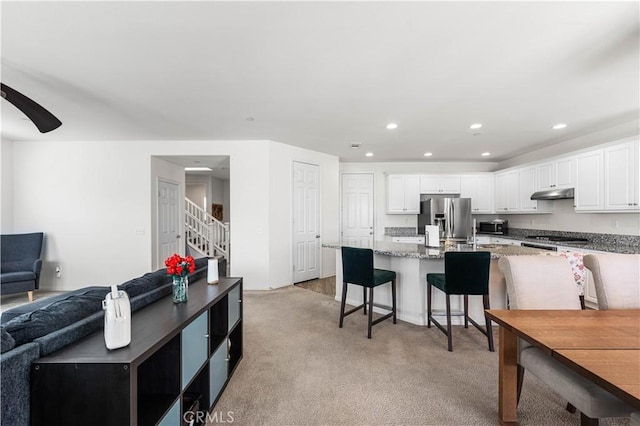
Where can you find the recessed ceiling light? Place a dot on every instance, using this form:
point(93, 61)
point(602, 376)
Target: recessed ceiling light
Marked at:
point(392, 126)
point(369, 154)
point(559, 126)
point(485, 154)
point(428, 154)
point(197, 169)
point(355, 145)
point(475, 126)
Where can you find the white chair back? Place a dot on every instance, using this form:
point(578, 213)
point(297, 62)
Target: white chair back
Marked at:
point(539, 282)
point(616, 278)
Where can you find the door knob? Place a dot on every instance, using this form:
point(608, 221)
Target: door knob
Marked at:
point(177, 236)
point(317, 236)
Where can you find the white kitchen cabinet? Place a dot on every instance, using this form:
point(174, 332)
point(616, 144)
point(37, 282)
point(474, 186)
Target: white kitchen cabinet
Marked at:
point(439, 184)
point(589, 192)
point(621, 177)
point(555, 174)
point(527, 181)
point(480, 189)
point(403, 194)
point(507, 191)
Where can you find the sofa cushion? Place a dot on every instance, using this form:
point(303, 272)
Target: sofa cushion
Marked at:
point(12, 277)
point(6, 341)
point(9, 314)
point(28, 326)
point(146, 283)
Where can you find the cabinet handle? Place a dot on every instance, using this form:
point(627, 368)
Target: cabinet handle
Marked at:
point(239, 300)
point(206, 336)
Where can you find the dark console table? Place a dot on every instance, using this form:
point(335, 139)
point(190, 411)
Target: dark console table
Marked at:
point(179, 360)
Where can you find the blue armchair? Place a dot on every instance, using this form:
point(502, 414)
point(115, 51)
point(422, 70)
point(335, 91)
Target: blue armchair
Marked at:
point(20, 263)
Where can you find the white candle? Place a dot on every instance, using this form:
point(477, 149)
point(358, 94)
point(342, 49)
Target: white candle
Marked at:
point(212, 271)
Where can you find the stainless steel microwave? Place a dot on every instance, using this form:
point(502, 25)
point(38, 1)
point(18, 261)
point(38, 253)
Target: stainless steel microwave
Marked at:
point(496, 228)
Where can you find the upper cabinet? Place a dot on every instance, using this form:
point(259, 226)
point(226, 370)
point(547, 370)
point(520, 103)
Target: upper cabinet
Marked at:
point(527, 186)
point(507, 191)
point(555, 174)
point(439, 184)
point(403, 194)
point(621, 186)
point(513, 192)
point(607, 179)
point(480, 189)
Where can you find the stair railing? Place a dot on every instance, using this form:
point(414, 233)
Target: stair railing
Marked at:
point(204, 232)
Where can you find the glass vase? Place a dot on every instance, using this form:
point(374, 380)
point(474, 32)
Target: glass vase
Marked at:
point(180, 289)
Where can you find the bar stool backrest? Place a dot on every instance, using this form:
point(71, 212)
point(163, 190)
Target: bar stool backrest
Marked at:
point(357, 266)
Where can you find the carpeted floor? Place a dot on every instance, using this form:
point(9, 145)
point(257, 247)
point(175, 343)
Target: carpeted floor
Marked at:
point(299, 368)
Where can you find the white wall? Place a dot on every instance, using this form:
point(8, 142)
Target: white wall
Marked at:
point(6, 186)
point(96, 206)
point(281, 209)
point(380, 170)
point(196, 193)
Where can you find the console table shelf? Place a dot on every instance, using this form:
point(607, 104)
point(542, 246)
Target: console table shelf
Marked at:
point(180, 359)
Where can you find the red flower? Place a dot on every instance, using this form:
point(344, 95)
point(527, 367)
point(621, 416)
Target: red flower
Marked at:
point(180, 266)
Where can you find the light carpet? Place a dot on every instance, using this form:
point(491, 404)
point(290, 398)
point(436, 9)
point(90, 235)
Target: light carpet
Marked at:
point(299, 368)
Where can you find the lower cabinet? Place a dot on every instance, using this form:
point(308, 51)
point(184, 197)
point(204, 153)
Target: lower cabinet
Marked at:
point(178, 363)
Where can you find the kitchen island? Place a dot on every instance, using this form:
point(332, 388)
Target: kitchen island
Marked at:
point(412, 263)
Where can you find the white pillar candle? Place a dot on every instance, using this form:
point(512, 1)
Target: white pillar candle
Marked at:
point(212, 271)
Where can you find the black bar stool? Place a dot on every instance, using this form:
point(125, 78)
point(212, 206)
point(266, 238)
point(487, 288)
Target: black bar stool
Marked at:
point(357, 268)
point(465, 273)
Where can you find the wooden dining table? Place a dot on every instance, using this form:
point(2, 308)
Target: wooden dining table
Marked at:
point(602, 346)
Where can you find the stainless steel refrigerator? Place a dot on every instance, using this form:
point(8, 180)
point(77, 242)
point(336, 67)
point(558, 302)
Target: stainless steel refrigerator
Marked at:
point(451, 215)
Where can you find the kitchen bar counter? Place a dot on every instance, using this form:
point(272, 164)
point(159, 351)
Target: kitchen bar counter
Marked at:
point(624, 244)
point(412, 263)
point(419, 251)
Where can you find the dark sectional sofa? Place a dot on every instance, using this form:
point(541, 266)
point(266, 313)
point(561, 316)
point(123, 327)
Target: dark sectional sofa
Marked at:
point(39, 328)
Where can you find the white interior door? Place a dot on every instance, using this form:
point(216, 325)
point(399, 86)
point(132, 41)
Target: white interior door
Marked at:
point(168, 220)
point(357, 209)
point(306, 231)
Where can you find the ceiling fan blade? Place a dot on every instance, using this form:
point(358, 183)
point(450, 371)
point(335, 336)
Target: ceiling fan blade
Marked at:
point(43, 119)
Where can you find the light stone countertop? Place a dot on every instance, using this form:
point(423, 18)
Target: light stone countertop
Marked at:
point(419, 251)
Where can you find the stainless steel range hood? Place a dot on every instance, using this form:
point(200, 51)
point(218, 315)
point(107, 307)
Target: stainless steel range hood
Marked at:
point(553, 194)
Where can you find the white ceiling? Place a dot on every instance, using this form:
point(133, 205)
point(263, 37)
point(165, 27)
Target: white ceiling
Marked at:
point(323, 75)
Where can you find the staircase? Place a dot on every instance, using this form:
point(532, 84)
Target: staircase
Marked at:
point(205, 233)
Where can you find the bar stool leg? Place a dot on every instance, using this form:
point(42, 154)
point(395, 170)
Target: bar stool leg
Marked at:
point(343, 302)
point(393, 299)
point(485, 303)
point(428, 304)
point(370, 312)
point(466, 311)
point(449, 343)
point(364, 299)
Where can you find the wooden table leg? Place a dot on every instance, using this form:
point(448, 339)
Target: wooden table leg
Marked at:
point(507, 378)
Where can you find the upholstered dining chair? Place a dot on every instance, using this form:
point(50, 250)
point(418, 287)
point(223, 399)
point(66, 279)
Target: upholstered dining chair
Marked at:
point(357, 268)
point(465, 273)
point(616, 278)
point(546, 282)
